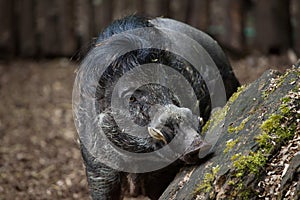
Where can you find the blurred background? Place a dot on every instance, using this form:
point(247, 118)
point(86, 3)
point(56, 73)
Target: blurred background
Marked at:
point(41, 28)
point(42, 43)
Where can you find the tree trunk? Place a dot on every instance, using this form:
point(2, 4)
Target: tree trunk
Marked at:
point(256, 145)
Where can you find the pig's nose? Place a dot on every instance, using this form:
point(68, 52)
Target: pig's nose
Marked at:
point(191, 158)
point(198, 153)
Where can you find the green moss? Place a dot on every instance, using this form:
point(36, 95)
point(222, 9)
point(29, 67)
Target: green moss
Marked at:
point(207, 183)
point(206, 126)
point(278, 81)
point(265, 94)
point(243, 166)
point(231, 182)
point(272, 123)
point(235, 156)
point(220, 114)
point(278, 127)
point(292, 80)
point(232, 129)
point(286, 99)
point(276, 130)
point(281, 80)
point(230, 144)
point(251, 163)
point(216, 118)
point(245, 194)
point(239, 191)
point(284, 109)
point(236, 94)
point(264, 140)
point(298, 71)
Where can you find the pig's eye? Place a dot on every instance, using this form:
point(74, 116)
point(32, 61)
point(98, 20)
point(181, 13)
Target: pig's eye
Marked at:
point(132, 99)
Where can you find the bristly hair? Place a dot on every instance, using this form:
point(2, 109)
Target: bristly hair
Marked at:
point(128, 23)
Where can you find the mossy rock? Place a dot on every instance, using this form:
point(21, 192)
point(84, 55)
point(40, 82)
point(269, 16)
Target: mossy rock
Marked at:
point(257, 126)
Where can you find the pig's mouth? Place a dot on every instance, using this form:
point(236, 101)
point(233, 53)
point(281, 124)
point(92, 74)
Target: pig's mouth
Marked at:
point(197, 150)
point(180, 121)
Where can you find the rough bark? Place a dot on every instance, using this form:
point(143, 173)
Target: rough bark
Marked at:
point(256, 152)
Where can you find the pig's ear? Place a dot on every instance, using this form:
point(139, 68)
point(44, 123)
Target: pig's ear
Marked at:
point(156, 134)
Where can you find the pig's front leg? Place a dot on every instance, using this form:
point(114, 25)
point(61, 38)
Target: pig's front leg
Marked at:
point(104, 182)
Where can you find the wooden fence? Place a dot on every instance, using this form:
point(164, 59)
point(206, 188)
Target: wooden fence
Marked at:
point(50, 28)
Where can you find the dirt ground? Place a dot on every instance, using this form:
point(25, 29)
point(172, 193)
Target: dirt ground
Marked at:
point(39, 154)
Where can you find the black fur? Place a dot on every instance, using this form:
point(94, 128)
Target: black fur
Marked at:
point(106, 183)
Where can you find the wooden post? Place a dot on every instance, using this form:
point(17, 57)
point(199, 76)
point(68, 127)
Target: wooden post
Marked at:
point(124, 8)
point(84, 25)
point(26, 28)
point(7, 39)
point(102, 14)
point(46, 27)
point(234, 25)
point(179, 9)
point(198, 14)
point(273, 28)
point(227, 23)
point(155, 8)
point(66, 27)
